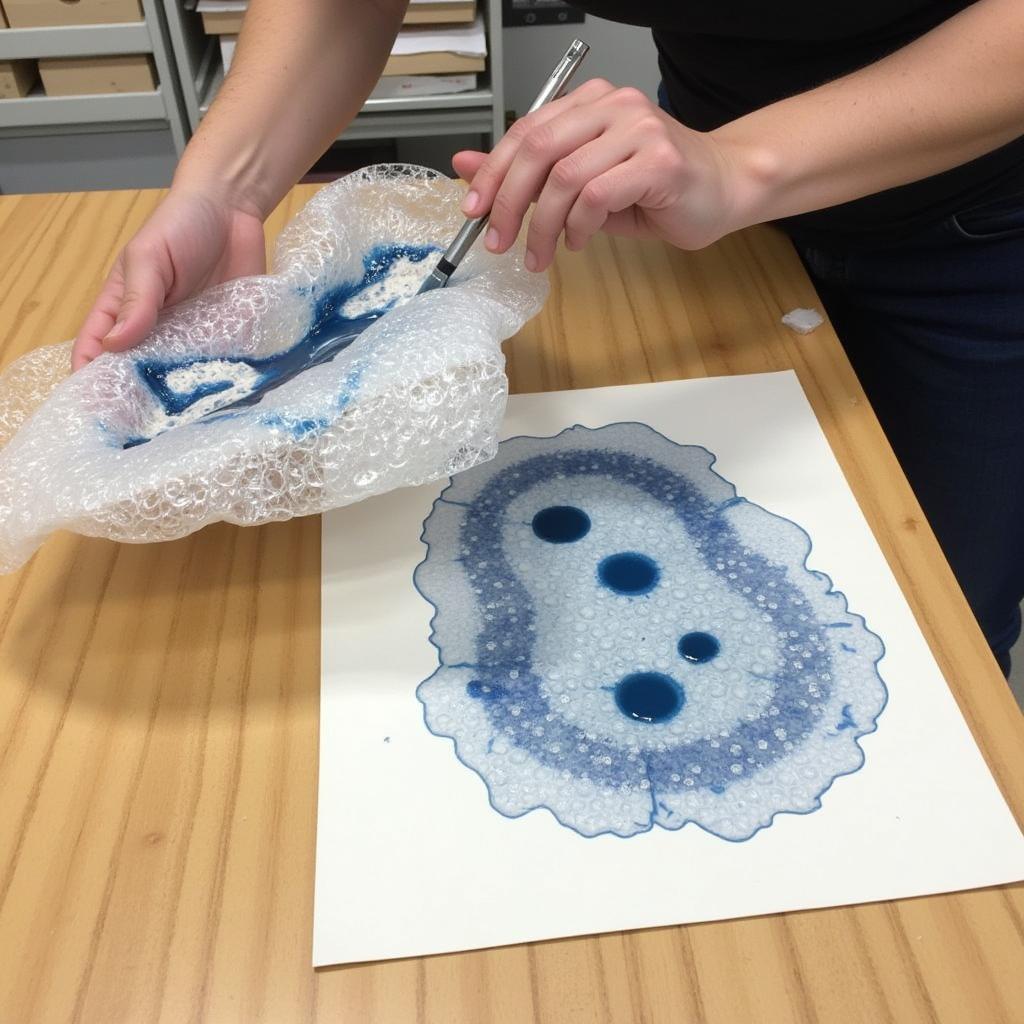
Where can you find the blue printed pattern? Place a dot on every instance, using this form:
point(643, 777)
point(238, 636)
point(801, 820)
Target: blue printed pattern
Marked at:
point(220, 384)
point(627, 643)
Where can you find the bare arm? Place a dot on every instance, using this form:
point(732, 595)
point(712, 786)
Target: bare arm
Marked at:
point(948, 97)
point(608, 159)
point(301, 73)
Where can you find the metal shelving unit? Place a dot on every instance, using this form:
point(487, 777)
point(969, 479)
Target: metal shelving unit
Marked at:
point(480, 111)
point(197, 57)
point(38, 114)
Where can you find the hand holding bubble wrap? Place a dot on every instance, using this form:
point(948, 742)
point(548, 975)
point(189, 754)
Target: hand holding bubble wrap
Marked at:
point(240, 405)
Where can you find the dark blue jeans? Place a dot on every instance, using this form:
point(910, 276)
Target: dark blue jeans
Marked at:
point(934, 327)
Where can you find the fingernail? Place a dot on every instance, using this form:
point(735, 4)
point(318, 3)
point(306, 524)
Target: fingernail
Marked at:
point(469, 203)
point(492, 238)
point(530, 260)
point(113, 332)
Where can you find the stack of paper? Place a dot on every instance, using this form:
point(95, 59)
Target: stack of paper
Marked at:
point(396, 87)
point(227, 50)
point(445, 38)
point(439, 50)
point(224, 17)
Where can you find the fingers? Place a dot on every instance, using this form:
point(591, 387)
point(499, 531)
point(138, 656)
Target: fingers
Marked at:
point(142, 298)
point(552, 156)
point(189, 243)
point(568, 177)
point(489, 176)
point(607, 202)
point(550, 153)
point(126, 308)
point(467, 163)
point(89, 342)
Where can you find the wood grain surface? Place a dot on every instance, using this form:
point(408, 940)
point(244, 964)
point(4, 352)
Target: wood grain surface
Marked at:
point(158, 717)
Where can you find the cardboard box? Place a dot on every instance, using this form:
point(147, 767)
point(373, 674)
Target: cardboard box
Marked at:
point(88, 76)
point(440, 63)
point(38, 13)
point(17, 78)
point(223, 23)
point(448, 12)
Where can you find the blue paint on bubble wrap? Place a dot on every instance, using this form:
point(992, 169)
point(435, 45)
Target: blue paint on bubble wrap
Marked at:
point(328, 334)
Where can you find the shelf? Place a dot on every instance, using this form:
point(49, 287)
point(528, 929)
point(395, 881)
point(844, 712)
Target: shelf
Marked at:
point(38, 114)
point(440, 101)
point(190, 73)
point(75, 41)
point(401, 125)
point(407, 117)
point(483, 98)
point(475, 111)
point(37, 110)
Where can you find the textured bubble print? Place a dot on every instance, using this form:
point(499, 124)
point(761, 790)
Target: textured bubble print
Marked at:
point(626, 642)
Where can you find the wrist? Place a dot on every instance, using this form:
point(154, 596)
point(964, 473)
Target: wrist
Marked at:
point(233, 177)
point(754, 174)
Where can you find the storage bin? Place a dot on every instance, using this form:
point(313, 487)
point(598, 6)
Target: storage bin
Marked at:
point(17, 78)
point(85, 76)
point(36, 13)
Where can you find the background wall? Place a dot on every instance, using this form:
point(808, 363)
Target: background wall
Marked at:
point(624, 54)
point(96, 160)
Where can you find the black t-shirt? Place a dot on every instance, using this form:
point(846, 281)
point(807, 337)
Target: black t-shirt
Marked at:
point(721, 59)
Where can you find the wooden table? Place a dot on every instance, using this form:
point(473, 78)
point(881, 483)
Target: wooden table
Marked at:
point(159, 717)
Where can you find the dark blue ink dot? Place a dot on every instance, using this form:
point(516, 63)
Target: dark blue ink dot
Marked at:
point(699, 647)
point(561, 524)
point(649, 696)
point(484, 691)
point(629, 573)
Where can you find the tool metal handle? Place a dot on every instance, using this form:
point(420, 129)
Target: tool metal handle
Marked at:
point(553, 88)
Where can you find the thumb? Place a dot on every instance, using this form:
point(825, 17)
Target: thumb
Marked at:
point(143, 297)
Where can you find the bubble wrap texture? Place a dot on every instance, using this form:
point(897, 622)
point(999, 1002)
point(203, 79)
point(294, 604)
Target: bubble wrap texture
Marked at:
point(418, 396)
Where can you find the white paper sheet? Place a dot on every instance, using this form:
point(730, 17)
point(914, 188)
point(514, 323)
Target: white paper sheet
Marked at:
point(468, 40)
point(227, 51)
point(241, 5)
point(413, 860)
point(399, 86)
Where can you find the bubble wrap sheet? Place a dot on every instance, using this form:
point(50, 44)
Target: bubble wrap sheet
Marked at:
point(133, 446)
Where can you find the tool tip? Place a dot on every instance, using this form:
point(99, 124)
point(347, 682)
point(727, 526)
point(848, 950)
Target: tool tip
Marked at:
point(435, 280)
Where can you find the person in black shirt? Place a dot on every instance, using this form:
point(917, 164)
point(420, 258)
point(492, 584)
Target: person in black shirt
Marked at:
point(886, 136)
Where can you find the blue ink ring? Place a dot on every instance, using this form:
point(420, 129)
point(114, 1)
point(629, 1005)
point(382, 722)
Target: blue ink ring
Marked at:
point(526, 716)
